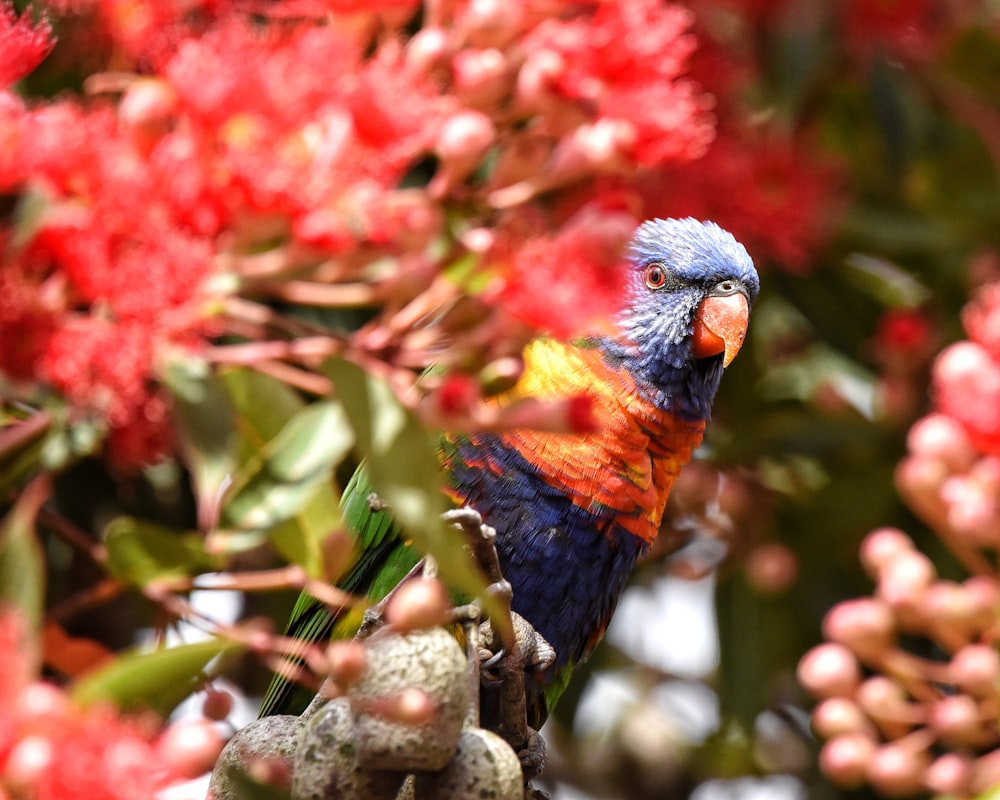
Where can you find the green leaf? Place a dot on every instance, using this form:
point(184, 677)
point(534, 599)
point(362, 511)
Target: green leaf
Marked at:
point(157, 680)
point(290, 469)
point(263, 407)
point(207, 430)
point(404, 469)
point(22, 440)
point(884, 280)
point(313, 442)
point(22, 565)
point(975, 60)
point(140, 552)
point(286, 488)
point(299, 539)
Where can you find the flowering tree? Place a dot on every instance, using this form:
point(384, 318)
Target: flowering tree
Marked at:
point(234, 233)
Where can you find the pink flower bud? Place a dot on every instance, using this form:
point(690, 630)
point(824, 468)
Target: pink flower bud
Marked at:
point(976, 669)
point(770, 568)
point(217, 704)
point(984, 596)
point(461, 144)
point(949, 775)
point(966, 385)
point(985, 773)
point(880, 546)
point(482, 77)
point(190, 747)
point(829, 670)
point(417, 604)
point(501, 375)
point(972, 509)
point(571, 415)
point(949, 613)
point(457, 395)
point(411, 706)
point(838, 716)
point(955, 720)
point(28, 761)
point(491, 23)
point(601, 146)
point(919, 479)
point(884, 700)
point(902, 583)
point(147, 110)
point(346, 662)
point(845, 759)
point(896, 771)
point(40, 700)
point(273, 771)
point(864, 625)
point(429, 49)
point(465, 137)
point(942, 437)
point(536, 80)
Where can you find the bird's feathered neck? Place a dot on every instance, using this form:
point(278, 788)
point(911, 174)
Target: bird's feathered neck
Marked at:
point(671, 379)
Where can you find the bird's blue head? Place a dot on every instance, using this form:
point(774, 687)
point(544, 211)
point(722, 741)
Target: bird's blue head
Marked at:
point(691, 285)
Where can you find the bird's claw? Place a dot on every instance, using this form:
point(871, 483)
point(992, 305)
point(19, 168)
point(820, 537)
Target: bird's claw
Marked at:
point(467, 519)
point(490, 674)
point(532, 756)
point(534, 650)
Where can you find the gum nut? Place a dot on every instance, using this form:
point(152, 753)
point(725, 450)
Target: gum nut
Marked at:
point(430, 661)
point(271, 739)
point(326, 761)
point(484, 767)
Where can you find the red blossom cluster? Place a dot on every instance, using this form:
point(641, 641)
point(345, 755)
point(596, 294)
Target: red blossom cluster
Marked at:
point(51, 749)
point(923, 717)
point(339, 153)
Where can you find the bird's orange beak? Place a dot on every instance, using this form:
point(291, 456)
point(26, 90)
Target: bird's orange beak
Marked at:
point(720, 326)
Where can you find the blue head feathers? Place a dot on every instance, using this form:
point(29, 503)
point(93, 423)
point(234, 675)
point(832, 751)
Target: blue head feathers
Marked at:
point(676, 265)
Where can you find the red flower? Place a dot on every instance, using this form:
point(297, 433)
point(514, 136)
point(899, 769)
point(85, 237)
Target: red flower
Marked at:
point(294, 123)
point(777, 196)
point(641, 83)
point(904, 339)
point(100, 366)
point(23, 43)
point(914, 29)
point(569, 283)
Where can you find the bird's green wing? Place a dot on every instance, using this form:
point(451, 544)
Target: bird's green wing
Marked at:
point(383, 559)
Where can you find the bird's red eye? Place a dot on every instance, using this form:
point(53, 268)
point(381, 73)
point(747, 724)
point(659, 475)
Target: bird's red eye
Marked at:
point(656, 277)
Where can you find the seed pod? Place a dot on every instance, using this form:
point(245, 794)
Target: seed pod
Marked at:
point(430, 661)
point(264, 746)
point(326, 761)
point(484, 767)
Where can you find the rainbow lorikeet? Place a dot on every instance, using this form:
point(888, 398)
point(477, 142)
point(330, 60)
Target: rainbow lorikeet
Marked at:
point(573, 512)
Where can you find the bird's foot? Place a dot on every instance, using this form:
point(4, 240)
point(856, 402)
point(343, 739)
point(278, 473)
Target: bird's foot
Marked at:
point(532, 756)
point(531, 649)
point(482, 538)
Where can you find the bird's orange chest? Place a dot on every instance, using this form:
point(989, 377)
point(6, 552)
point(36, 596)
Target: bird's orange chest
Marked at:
point(621, 472)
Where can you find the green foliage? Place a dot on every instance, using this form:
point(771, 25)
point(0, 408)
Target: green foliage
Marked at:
point(157, 680)
point(22, 566)
point(404, 469)
point(140, 552)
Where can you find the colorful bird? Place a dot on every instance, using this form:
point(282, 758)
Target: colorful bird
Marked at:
point(574, 512)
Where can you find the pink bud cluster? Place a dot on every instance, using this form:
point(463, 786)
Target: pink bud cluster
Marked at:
point(904, 722)
point(951, 475)
point(924, 716)
point(52, 749)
